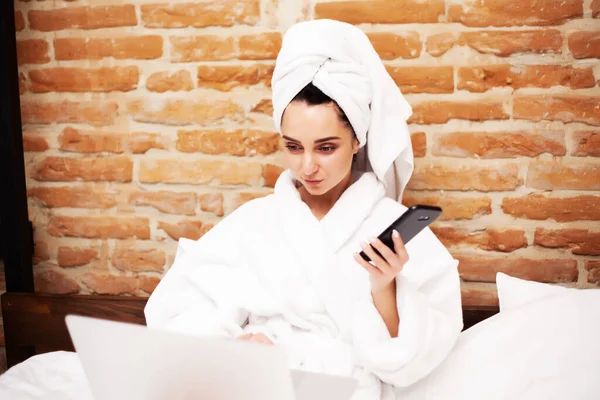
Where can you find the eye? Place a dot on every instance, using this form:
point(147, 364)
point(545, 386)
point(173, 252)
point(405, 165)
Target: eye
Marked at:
point(292, 148)
point(328, 149)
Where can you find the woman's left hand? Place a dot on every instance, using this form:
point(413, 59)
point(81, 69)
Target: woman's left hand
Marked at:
point(383, 269)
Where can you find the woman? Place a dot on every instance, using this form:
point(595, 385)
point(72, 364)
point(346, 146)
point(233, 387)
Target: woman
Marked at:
point(284, 269)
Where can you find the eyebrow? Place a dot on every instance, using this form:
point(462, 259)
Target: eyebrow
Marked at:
point(323, 140)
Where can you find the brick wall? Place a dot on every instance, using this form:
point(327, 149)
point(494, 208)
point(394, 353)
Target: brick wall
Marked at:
point(144, 123)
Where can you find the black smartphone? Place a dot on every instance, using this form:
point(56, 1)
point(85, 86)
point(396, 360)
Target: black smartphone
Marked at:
point(408, 225)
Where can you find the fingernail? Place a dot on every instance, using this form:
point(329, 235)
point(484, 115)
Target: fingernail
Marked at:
point(372, 239)
point(395, 233)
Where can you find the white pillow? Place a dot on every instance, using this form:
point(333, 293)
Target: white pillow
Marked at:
point(514, 292)
point(547, 349)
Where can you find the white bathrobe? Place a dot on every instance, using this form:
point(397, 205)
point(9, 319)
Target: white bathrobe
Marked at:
point(272, 267)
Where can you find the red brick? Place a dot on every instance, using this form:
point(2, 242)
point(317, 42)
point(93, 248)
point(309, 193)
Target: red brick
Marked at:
point(264, 106)
point(141, 142)
point(212, 202)
point(40, 251)
point(244, 197)
point(453, 177)
point(240, 142)
point(382, 12)
point(99, 227)
point(262, 46)
point(200, 172)
point(577, 241)
point(34, 143)
point(88, 112)
point(120, 48)
point(440, 112)
point(566, 108)
point(479, 294)
point(593, 269)
point(456, 207)
point(19, 21)
point(227, 77)
point(119, 169)
point(203, 48)
point(586, 143)
point(193, 230)
point(585, 44)
point(32, 51)
point(183, 112)
point(423, 79)
point(128, 259)
point(54, 281)
point(419, 144)
point(505, 43)
point(110, 284)
point(506, 240)
point(483, 78)
point(553, 175)
point(515, 12)
point(147, 284)
point(164, 81)
point(62, 79)
point(270, 174)
point(82, 18)
point(74, 256)
point(595, 8)
point(499, 144)
point(391, 46)
point(166, 202)
point(201, 15)
point(75, 140)
point(483, 269)
point(439, 44)
point(22, 83)
point(560, 209)
point(81, 196)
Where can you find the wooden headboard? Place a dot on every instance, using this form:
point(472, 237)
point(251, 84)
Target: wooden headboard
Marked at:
point(34, 323)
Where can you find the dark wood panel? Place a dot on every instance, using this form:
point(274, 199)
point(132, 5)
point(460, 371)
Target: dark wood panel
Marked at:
point(35, 323)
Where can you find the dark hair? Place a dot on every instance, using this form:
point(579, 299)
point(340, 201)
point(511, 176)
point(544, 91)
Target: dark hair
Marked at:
point(313, 96)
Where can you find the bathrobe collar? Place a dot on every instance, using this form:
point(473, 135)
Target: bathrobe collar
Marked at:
point(347, 214)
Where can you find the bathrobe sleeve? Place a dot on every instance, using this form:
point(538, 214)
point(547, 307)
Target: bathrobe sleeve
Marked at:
point(429, 306)
point(210, 287)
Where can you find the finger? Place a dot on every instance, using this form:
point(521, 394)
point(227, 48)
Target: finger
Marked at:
point(261, 338)
point(388, 254)
point(399, 247)
point(367, 265)
point(245, 336)
point(375, 258)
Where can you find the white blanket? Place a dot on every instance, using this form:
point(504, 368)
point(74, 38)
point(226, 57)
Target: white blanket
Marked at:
point(272, 267)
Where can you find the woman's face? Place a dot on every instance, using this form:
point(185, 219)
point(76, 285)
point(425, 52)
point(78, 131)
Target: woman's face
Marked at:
point(318, 146)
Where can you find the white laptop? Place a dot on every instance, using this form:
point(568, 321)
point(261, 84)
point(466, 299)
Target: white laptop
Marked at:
point(128, 361)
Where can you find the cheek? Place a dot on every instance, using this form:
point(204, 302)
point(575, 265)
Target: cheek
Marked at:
point(339, 162)
point(292, 161)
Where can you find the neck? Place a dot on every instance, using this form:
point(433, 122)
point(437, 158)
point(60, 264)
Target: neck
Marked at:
point(321, 204)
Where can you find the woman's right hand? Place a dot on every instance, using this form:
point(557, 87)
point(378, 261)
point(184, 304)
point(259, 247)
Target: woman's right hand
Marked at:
point(255, 337)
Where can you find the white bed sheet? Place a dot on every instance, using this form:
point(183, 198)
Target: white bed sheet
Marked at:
point(546, 349)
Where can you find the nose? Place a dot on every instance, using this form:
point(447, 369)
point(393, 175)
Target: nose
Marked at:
point(309, 164)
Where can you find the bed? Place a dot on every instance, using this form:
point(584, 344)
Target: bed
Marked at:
point(540, 343)
point(34, 322)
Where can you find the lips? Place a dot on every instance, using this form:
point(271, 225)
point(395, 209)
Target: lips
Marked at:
point(313, 182)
